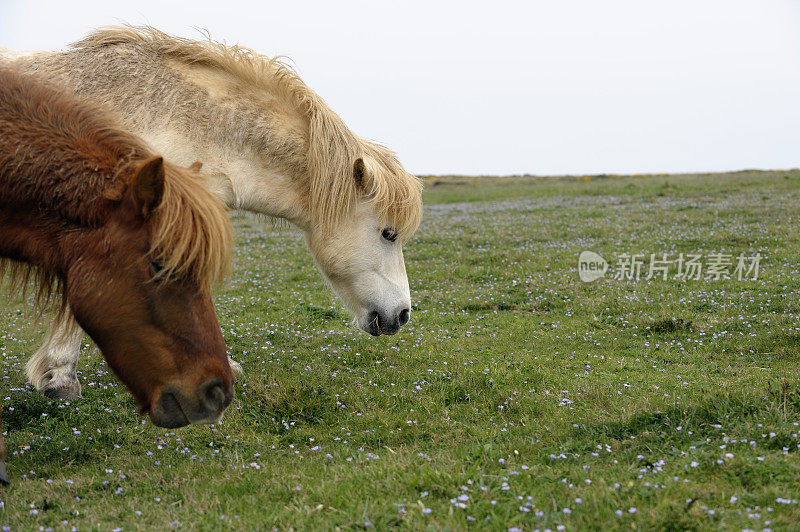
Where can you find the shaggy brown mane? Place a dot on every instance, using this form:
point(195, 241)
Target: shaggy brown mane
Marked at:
point(332, 147)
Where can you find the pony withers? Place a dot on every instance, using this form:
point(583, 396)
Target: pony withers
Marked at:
point(131, 242)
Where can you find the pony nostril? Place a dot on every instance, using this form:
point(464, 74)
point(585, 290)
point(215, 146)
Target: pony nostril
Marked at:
point(404, 316)
point(214, 395)
point(167, 412)
point(374, 323)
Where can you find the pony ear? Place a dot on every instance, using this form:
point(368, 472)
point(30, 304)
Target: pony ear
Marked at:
point(147, 185)
point(360, 173)
point(196, 166)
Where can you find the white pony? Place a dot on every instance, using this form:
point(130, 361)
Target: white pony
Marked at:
point(268, 144)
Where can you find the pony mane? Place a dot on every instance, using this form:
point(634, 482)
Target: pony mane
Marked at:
point(20, 276)
point(191, 231)
point(86, 160)
point(332, 148)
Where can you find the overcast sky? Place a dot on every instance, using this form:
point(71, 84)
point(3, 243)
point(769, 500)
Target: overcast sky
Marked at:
point(542, 87)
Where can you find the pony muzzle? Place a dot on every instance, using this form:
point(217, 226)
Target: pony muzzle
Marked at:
point(379, 323)
point(175, 409)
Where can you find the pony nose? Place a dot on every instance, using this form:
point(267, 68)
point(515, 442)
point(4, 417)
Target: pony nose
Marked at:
point(175, 408)
point(213, 396)
point(404, 316)
point(167, 411)
point(379, 323)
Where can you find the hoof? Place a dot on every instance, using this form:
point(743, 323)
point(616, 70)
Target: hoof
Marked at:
point(3, 474)
point(236, 368)
point(65, 389)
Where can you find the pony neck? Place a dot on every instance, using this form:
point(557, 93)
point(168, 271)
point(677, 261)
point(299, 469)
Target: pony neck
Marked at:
point(239, 180)
point(262, 190)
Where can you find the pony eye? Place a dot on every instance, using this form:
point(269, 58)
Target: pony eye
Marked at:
point(156, 267)
point(389, 234)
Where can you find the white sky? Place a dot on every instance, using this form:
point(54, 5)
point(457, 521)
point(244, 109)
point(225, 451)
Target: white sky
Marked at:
point(543, 87)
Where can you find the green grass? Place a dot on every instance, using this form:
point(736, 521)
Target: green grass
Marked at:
point(539, 400)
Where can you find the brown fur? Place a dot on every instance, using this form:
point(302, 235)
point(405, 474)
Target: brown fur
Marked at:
point(86, 208)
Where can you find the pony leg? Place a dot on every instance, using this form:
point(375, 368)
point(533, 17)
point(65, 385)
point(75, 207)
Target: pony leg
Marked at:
point(52, 369)
point(3, 454)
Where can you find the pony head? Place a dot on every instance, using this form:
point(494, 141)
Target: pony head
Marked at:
point(364, 216)
point(133, 243)
point(141, 290)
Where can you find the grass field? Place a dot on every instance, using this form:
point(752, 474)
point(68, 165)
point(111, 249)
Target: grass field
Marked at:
point(518, 396)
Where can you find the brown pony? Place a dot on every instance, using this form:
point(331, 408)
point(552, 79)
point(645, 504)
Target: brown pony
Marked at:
point(131, 242)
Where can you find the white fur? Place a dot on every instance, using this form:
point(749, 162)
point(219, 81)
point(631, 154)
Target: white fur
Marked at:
point(367, 272)
point(6, 53)
point(53, 365)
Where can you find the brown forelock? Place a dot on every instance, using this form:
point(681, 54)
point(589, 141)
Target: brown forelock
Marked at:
point(190, 229)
